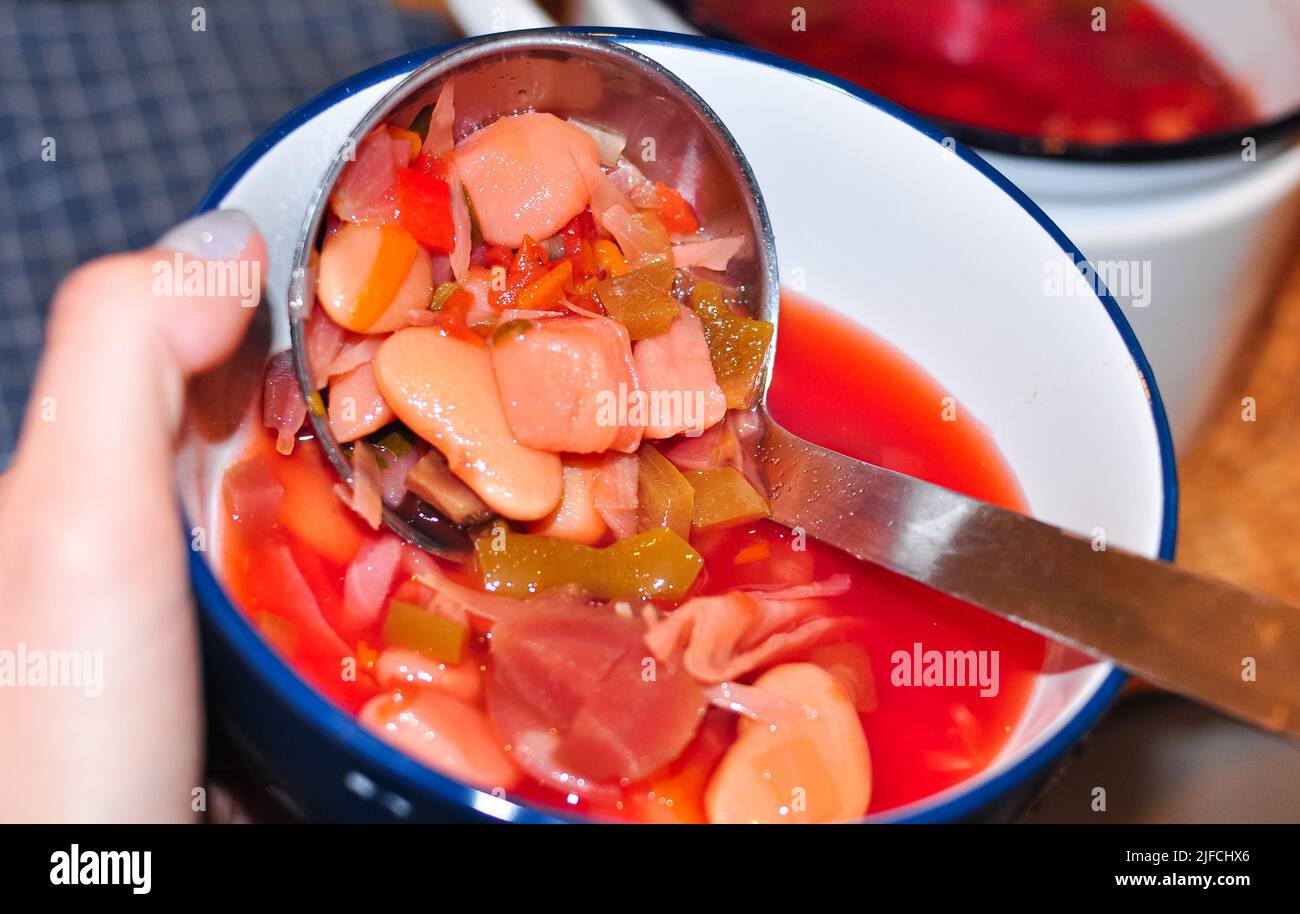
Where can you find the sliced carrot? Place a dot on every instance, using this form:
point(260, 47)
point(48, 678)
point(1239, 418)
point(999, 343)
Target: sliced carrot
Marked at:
point(544, 292)
point(397, 251)
point(609, 258)
point(370, 277)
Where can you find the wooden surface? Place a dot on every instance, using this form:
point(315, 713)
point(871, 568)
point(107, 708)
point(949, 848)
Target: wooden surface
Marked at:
point(1240, 480)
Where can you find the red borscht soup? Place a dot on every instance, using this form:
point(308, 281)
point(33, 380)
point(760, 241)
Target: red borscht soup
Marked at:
point(1037, 68)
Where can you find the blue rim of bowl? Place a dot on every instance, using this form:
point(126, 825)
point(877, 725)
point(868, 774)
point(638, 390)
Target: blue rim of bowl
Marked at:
point(334, 723)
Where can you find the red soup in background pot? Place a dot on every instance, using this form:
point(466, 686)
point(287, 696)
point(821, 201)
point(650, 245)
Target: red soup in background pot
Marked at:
point(519, 332)
point(1035, 68)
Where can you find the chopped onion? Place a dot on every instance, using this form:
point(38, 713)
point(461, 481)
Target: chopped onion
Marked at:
point(440, 139)
point(525, 314)
point(755, 703)
point(363, 182)
point(713, 254)
point(356, 350)
point(640, 236)
point(283, 406)
point(401, 151)
point(833, 586)
point(366, 583)
point(392, 475)
point(364, 496)
point(639, 189)
point(462, 230)
point(609, 144)
point(604, 193)
point(324, 339)
point(535, 747)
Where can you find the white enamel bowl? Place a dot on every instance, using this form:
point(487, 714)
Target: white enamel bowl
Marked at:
point(921, 242)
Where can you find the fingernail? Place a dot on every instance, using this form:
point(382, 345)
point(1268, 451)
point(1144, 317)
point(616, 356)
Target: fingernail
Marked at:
point(215, 235)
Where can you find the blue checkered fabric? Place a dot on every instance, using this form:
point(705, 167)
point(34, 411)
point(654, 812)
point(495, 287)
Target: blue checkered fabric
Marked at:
point(144, 111)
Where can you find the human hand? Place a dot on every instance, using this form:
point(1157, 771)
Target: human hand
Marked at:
point(92, 555)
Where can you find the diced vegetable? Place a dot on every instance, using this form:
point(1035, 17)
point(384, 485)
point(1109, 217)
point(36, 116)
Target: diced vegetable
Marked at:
point(362, 185)
point(665, 498)
point(442, 295)
point(608, 143)
point(609, 258)
point(677, 215)
point(656, 563)
point(365, 494)
point(586, 363)
point(641, 236)
point(432, 480)
point(370, 277)
point(641, 299)
point(417, 629)
point(425, 206)
point(814, 768)
point(443, 388)
point(545, 291)
point(521, 176)
point(724, 498)
point(737, 345)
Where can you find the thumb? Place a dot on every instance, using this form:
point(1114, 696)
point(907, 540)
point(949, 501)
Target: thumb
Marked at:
point(91, 557)
point(126, 331)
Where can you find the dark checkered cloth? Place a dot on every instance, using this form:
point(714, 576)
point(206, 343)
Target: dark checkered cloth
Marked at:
point(144, 111)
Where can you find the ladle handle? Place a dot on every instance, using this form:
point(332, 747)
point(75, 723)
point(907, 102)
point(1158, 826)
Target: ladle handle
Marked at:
point(1230, 648)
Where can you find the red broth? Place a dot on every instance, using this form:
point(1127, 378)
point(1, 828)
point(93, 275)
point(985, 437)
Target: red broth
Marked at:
point(834, 383)
point(1030, 67)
